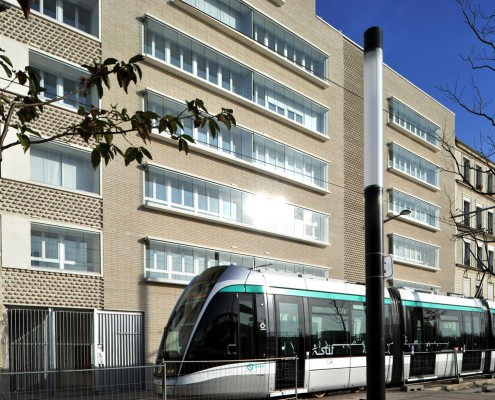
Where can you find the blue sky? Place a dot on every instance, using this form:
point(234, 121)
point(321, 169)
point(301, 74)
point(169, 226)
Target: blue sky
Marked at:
point(423, 41)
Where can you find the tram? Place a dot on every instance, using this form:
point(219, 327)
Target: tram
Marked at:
point(253, 323)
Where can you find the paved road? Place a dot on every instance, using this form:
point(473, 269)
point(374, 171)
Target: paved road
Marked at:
point(475, 389)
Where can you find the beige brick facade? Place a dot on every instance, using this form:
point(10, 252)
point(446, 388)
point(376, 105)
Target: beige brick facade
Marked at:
point(119, 213)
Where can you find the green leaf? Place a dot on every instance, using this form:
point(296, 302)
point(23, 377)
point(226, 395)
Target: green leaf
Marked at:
point(6, 68)
point(5, 98)
point(99, 88)
point(6, 60)
point(214, 128)
point(24, 141)
point(110, 61)
point(146, 152)
point(26, 128)
point(21, 77)
point(129, 155)
point(95, 158)
point(183, 145)
point(138, 69)
point(188, 138)
point(106, 80)
point(136, 58)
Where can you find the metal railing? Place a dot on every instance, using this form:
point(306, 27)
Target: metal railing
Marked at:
point(249, 379)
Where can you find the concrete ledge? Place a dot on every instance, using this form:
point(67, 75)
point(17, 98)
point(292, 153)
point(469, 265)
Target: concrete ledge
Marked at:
point(412, 388)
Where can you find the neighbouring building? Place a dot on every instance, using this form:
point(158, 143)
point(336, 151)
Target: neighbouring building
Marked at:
point(111, 250)
point(472, 216)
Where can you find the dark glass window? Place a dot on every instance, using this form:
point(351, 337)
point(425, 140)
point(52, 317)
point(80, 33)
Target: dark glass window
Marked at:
point(473, 328)
point(329, 328)
point(246, 327)
point(216, 335)
point(450, 329)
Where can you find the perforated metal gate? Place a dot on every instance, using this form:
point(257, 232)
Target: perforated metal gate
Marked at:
point(61, 340)
point(119, 343)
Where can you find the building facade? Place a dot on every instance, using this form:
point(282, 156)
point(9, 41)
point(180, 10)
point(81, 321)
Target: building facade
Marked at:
point(283, 189)
point(473, 220)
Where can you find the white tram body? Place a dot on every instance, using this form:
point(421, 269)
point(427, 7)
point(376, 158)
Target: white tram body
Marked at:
point(255, 333)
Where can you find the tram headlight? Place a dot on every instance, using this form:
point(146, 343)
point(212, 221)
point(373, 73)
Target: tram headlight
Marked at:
point(171, 370)
point(158, 371)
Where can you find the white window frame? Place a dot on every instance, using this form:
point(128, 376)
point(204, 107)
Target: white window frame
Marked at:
point(479, 216)
point(414, 257)
point(59, 14)
point(315, 223)
point(46, 64)
point(154, 273)
point(64, 264)
point(63, 151)
point(466, 245)
point(257, 149)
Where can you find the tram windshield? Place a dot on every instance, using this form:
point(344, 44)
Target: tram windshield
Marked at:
point(186, 313)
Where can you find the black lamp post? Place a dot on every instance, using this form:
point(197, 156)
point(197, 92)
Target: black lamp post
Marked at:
point(373, 203)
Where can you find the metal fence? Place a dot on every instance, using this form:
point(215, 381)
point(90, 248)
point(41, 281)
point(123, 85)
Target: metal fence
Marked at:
point(206, 380)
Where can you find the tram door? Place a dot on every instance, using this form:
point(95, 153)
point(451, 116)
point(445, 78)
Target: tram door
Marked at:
point(290, 341)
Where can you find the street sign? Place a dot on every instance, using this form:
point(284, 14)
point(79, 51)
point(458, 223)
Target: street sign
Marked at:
point(388, 266)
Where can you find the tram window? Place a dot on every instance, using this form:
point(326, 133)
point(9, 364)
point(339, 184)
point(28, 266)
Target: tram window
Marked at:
point(216, 335)
point(450, 329)
point(430, 318)
point(358, 326)
point(289, 328)
point(246, 326)
point(416, 325)
point(473, 330)
point(329, 328)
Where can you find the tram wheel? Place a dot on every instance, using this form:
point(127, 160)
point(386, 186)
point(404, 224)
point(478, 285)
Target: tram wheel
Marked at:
point(319, 395)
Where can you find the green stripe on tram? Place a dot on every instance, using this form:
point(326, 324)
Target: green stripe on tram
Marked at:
point(423, 304)
point(341, 296)
point(291, 292)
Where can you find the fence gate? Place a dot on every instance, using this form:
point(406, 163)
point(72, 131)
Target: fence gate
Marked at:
point(42, 340)
point(119, 346)
point(48, 340)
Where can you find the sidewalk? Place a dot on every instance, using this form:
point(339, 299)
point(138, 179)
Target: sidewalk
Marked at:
point(474, 389)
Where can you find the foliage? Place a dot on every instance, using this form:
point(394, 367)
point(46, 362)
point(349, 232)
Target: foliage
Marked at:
point(97, 126)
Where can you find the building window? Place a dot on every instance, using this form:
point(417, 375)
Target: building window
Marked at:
point(206, 199)
point(61, 80)
point(412, 165)
point(414, 252)
point(64, 166)
point(467, 212)
point(479, 177)
point(177, 262)
point(82, 15)
point(467, 252)
point(490, 259)
point(479, 217)
point(250, 147)
point(413, 122)
point(191, 56)
point(65, 249)
point(489, 223)
point(421, 211)
point(467, 170)
point(266, 32)
point(479, 257)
